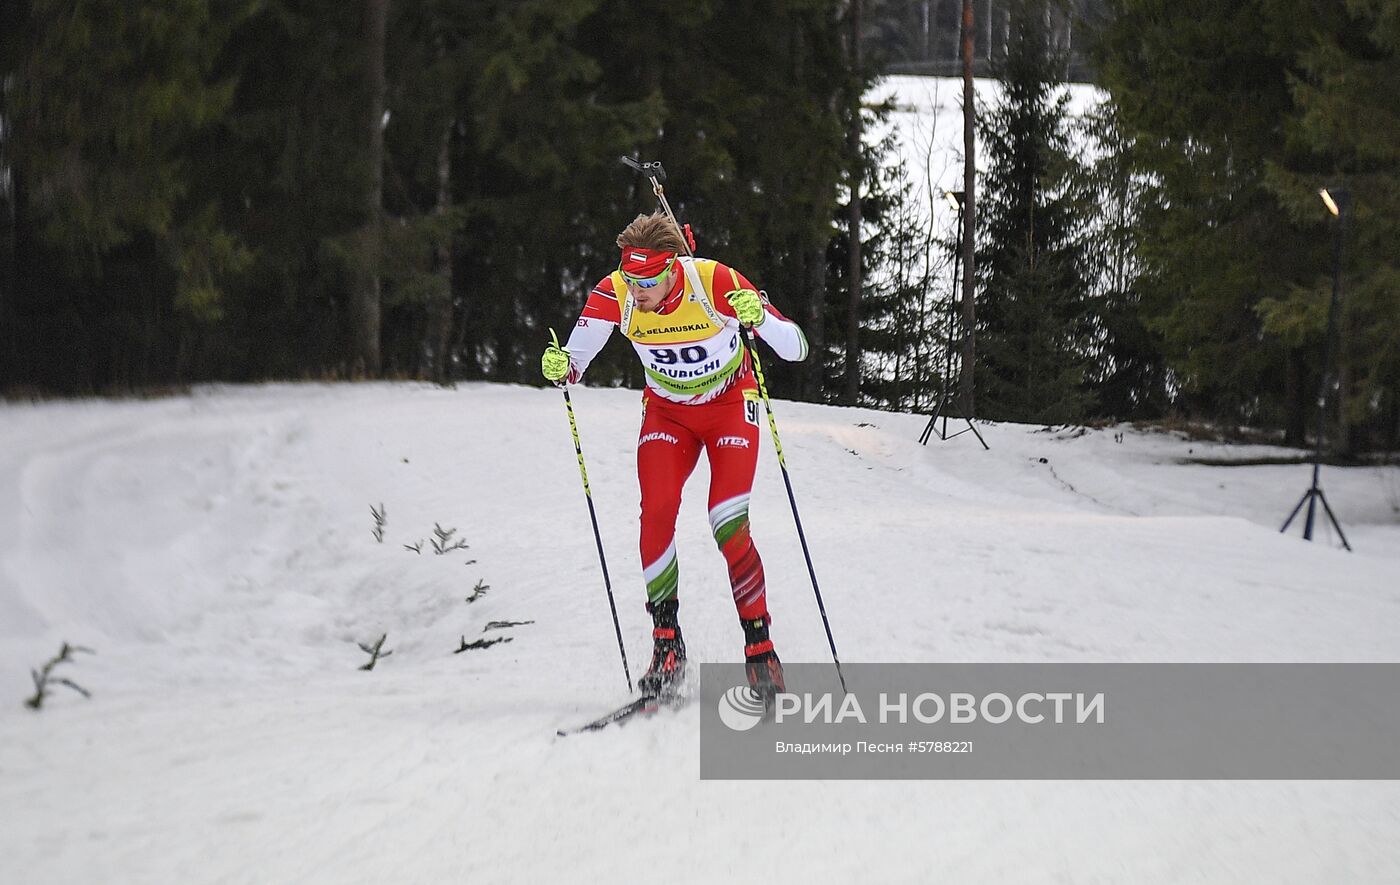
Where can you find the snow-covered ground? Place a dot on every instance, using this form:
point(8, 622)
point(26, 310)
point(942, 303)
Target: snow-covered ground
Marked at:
point(216, 552)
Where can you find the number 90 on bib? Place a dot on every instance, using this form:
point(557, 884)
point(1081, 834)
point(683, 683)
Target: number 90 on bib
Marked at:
point(670, 356)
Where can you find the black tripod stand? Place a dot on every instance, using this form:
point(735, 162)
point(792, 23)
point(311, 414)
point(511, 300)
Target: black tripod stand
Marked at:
point(1338, 201)
point(943, 433)
point(946, 395)
point(1311, 497)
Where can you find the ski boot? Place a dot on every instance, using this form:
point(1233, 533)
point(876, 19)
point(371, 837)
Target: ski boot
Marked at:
point(663, 678)
point(761, 663)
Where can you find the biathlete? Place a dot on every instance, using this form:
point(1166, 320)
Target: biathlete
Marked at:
point(683, 317)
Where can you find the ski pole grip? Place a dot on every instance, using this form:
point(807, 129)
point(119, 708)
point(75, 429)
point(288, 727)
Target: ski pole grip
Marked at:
point(652, 169)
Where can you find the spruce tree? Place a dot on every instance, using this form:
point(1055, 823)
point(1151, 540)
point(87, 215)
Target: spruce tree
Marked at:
point(897, 282)
point(1128, 375)
point(1201, 88)
point(1035, 315)
point(542, 193)
point(117, 249)
point(365, 307)
point(1344, 131)
point(903, 320)
point(429, 72)
point(289, 172)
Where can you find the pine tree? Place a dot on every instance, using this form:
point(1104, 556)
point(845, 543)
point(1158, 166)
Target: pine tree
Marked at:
point(290, 173)
point(1035, 315)
point(1345, 131)
point(1201, 89)
point(429, 72)
point(542, 193)
point(902, 317)
point(365, 307)
point(104, 104)
point(872, 282)
point(855, 160)
point(1129, 375)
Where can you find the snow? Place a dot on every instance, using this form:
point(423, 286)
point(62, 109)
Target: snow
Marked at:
point(215, 550)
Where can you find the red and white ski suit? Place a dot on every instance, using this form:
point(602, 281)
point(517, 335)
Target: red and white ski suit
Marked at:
point(700, 394)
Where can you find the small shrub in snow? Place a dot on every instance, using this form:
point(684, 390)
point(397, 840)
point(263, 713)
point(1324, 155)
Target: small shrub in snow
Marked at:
point(501, 625)
point(480, 643)
point(478, 591)
point(375, 652)
point(379, 521)
point(44, 678)
point(443, 541)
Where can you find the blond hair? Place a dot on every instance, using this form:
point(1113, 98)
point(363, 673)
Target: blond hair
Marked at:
point(654, 231)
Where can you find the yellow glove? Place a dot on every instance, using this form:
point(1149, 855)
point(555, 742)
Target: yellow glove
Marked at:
point(748, 306)
point(554, 365)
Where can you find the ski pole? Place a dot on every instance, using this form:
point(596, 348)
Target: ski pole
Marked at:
point(597, 536)
point(782, 464)
point(652, 171)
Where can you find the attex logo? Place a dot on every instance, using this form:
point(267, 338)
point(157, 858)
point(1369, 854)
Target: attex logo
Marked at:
point(658, 437)
point(732, 442)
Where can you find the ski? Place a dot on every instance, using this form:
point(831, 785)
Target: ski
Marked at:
point(621, 714)
point(644, 706)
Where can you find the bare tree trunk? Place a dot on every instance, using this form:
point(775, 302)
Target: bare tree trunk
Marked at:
point(1392, 441)
point(969, 292)
point(1295, 394)
point(1346, 433)
point(815, 270)
point(441, 323)
point(926, 29)
point(364, 301)
point(9, 276)
point(851, 395)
